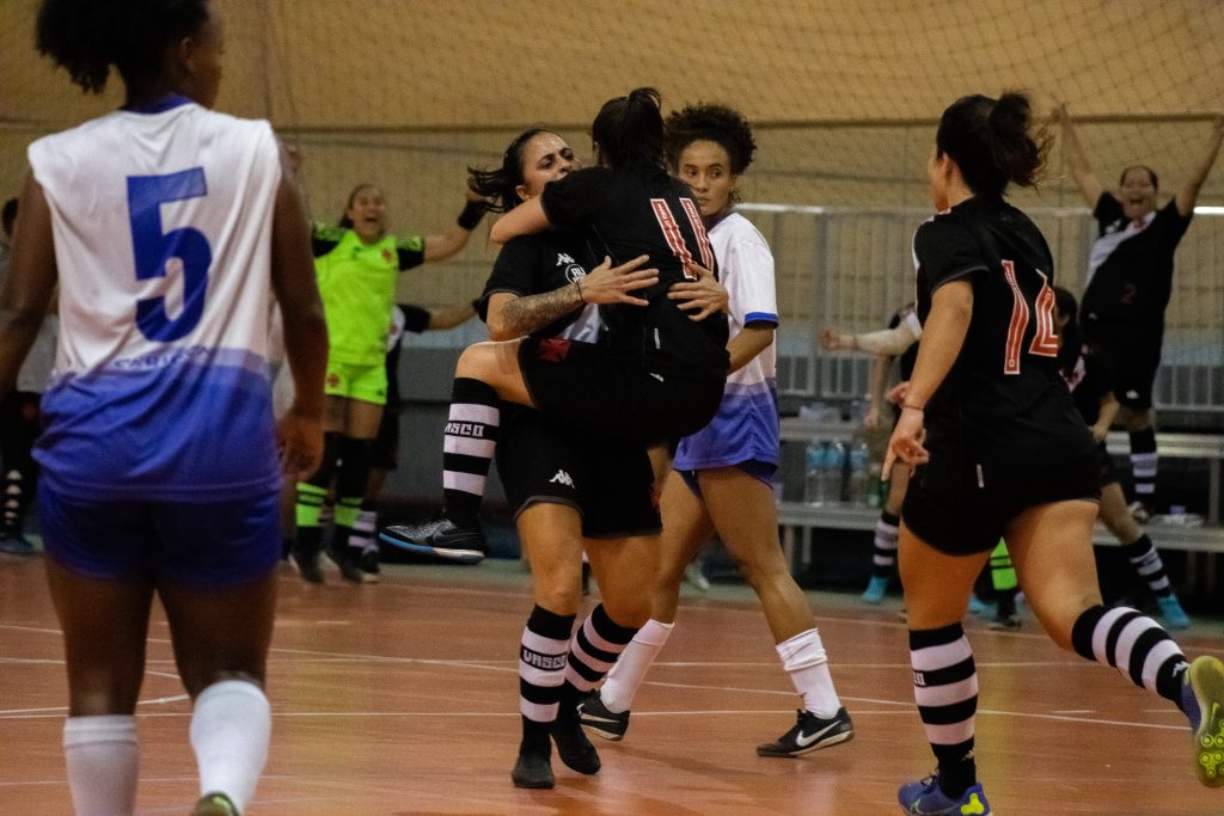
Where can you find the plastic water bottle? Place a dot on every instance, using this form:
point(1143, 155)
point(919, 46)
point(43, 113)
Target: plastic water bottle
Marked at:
point(813, 485)
point(875, 488)
point(834, 473)
point(860, 462)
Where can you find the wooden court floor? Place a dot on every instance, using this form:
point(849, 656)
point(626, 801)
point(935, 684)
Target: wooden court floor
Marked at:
point(401, 698)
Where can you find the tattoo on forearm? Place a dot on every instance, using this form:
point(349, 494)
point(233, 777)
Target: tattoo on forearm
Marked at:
point(525, 315)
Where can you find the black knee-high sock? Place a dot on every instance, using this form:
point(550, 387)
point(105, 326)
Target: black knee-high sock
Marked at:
point(351, 483)
point(884, 557)
point(543, 656)
point(593, 651)
point(468, 446)
point(1144, 462)
point(1147, 562)
point(1135, 645)
point(312, 494)
point(946, 690)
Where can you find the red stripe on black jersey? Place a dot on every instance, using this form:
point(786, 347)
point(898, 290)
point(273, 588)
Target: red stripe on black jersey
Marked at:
point(1019, 321)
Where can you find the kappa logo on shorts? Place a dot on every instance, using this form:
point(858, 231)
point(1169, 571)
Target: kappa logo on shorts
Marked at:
point(563, 478)
point(553, 350)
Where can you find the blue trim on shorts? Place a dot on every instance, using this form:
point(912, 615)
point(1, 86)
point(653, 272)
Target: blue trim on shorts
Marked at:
point(762, 471)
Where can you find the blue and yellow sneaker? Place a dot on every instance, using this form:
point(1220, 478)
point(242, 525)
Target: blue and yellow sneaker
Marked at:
point(1203, 702)
point(924, 798)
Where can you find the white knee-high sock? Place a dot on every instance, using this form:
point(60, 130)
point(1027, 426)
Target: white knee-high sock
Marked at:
point(630, 670)
point(230, 729)
point(103, 758)
point(803, 657)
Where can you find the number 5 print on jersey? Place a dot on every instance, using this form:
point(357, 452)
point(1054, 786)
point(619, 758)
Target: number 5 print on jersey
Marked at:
point(154, 250)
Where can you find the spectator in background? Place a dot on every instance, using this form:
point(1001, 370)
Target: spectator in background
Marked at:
point(19, 415)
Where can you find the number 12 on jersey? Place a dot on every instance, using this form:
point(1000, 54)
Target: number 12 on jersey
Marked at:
point(1045, 340)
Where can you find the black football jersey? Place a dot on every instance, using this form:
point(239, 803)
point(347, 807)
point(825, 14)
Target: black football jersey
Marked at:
point(1130, 275)
point(535, 264)
point(624, 214)
point(1004, 400)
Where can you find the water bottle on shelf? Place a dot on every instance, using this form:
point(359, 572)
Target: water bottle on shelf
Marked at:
point(814, 462)
point(834, 473)
point(860, 462)
point(876, 489)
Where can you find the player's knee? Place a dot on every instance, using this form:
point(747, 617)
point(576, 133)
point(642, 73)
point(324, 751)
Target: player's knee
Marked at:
point(475, 361)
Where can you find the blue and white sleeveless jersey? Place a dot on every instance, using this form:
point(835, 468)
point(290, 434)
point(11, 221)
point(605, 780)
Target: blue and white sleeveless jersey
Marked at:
point(746, 425)
point(162, 221)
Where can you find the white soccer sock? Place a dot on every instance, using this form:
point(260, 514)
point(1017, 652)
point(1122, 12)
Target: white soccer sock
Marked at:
point(630, 670)
point(230, 729)
point(804, 659)
point(103, 758)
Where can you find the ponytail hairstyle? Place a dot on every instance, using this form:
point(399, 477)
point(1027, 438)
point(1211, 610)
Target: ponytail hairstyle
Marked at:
point(1071, 333)
point(86, 37)
point(628, 131)
point(345, 221)
point(991, 142)
point(499, 186)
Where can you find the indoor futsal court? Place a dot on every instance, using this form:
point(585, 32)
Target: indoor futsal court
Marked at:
point(542, 407)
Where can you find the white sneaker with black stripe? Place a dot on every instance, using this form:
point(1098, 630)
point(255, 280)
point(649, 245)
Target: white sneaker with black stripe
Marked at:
point(810, 733)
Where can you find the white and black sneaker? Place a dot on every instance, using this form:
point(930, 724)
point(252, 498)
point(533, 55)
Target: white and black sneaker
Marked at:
point(593, 714)
point(441, 538)
point(810, 733)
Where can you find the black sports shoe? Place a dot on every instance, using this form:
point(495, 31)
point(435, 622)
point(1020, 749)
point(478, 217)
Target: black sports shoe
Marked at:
point(441, 538)
point(368, 563)
point(575, 750)
point(347, 563)
point(533, 770)
point(214, 804)
point(593, 714)
point(307, 563)
point(810, 733)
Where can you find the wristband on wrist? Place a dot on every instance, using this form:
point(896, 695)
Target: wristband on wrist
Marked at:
point(913, 407)
point(473, 211)
point(578, 284)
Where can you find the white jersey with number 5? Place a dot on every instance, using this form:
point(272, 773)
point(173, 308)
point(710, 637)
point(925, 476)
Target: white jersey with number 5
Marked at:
point(162, 221)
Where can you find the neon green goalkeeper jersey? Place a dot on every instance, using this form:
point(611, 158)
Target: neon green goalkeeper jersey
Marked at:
point(357, 285)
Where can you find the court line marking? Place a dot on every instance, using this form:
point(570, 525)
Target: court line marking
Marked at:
point(8, 713)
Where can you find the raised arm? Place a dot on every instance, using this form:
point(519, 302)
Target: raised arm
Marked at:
point(1187, 197)
point(446, 244)
point(31, 280)
point(1089, 185)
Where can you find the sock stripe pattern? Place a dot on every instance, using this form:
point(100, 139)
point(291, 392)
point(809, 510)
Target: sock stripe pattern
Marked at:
point(946, 689)
point(594, 649)
point(543, 656)
point(885, 544)
point(1137, 646)
point(1148, 564)
point(309, 505)
point(1144, 461)
point(469, 442)
point(364, 528)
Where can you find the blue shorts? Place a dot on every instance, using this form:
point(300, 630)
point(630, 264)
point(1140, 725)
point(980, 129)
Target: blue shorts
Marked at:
point(755, 468)
point(210, 544)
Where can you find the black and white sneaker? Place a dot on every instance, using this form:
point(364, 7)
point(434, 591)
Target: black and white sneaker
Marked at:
point(810, 733)
point(441, 538)
point(371, 573)
point(593, 714)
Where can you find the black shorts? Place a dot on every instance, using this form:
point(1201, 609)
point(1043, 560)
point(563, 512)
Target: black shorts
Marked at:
point(961, 507)
point(384, 452)
point(599, 393)
point(609, 483)
point(1130, 368)
point(1105, 466)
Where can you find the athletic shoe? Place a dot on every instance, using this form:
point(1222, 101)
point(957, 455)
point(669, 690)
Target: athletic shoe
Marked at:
point(1171, 610)
point(371, 572)
point(926, 799)
point(1203, 702)
point(1004, 623)
point(877, 588)
point(533, 771)
point(441, 538)
point(593, 714)
point(307, 564)
point(215, 804)
point(810, 733)
point(347, 564)
point(1140, 512)
point(696, 578)
point(981, 608)
point(575, 750)
point(17, 544)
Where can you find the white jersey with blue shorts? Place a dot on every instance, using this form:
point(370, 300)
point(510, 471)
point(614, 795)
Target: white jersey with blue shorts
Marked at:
point(162, 222)
point(744, 432)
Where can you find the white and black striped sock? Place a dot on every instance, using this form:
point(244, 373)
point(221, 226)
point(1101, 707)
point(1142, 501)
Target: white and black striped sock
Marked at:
point(593, 650)
point(1147, 562)
point(1144, 462)
point(364, 527)
point(543, 655)
point(468, 446)
point(1133, 644)
point(884, 557)
point(946, 690)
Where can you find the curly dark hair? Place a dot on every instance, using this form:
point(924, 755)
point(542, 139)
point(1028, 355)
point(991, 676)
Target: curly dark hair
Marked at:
point(86, 37)
point(716, 123)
